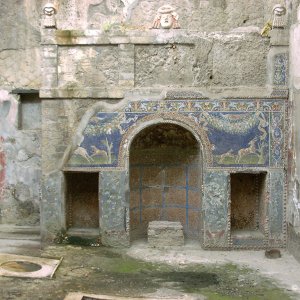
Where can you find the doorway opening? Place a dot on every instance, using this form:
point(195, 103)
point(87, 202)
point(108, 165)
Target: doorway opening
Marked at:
point(82, 201)
point(248, 205)
point(165, 179)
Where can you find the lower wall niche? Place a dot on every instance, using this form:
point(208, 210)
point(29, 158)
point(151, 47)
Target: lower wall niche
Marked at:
point(82, 201)
point(248, 209)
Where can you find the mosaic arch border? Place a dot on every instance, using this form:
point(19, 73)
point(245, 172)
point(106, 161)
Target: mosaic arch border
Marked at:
point(165, 118)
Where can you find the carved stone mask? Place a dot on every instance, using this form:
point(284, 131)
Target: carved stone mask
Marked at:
point(49, 9)
point(279, 10)
point(166, 20)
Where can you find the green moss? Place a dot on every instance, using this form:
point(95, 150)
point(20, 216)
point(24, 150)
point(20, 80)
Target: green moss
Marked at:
point(67, 36)
point(239, 283)
point(131, 266)
point(216, 282)
point(109, 271)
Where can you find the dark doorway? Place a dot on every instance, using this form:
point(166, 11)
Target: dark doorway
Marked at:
point(165, 179)
point(82, 202)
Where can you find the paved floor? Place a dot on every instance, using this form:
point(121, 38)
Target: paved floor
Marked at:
point(108, 271)
point(285, 270)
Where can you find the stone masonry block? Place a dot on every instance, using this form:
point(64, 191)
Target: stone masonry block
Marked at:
point(165, 234)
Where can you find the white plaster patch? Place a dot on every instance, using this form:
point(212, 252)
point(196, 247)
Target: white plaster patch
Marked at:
point(8, 262)
point(80, 296)
point(13, 111)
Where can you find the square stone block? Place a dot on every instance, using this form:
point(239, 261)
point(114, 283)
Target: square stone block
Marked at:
point(165, 234)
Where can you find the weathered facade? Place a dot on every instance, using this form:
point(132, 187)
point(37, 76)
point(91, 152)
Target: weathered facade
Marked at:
point(119, 119)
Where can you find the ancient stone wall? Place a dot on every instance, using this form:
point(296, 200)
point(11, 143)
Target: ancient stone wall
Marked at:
point(201, 15)
point(99, 65)
point(20, 115)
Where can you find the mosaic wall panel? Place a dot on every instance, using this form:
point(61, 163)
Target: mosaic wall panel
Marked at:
point(169, 192)
point(277, 140)
point(281, 62)
point(215, 206)
point(235, 133)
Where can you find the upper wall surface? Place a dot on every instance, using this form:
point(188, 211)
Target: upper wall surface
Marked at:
point(114, 62)
point(200, 15)
point(20, 22)
point(19, 44)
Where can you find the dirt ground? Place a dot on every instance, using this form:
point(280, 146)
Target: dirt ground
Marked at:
point(184, 273)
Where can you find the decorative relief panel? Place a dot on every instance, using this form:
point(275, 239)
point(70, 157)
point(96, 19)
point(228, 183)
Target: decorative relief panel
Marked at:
point(166, 65)
point(233, 133)
point(88, 66)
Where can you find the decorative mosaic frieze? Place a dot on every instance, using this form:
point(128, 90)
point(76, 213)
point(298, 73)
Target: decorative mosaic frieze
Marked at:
point(232, 133)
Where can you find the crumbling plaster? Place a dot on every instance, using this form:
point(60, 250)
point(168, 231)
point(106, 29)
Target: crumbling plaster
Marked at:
point(19, 68)
point(20, 191)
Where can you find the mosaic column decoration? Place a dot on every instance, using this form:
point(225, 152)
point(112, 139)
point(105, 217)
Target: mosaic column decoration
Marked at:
point(114, 208)
point(215, 206)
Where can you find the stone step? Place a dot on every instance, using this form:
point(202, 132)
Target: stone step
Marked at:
point(84, 232)
point(24, 247)
point(20, 239)
point(13, 232)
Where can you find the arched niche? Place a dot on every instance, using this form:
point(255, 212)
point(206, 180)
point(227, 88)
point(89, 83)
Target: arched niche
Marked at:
point(165, 176)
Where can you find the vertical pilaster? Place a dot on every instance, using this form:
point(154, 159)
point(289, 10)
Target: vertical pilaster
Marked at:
point(276, 209)
point(114, 208)
point(215, 205)
point(126, 60)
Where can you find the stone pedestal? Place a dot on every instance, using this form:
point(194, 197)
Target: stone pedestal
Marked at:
point(165, 234)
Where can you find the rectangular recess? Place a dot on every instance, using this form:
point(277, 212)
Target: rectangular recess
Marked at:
point(248, 201)
point(82, 200)
point(30, 114)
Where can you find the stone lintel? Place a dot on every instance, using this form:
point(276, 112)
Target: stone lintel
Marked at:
point(96, 93)
point(24, 91)
point(98, 37)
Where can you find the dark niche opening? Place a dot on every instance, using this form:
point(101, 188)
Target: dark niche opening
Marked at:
point(30, 112)
point(248, 203)
point(82, 202)
point(165, 179)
